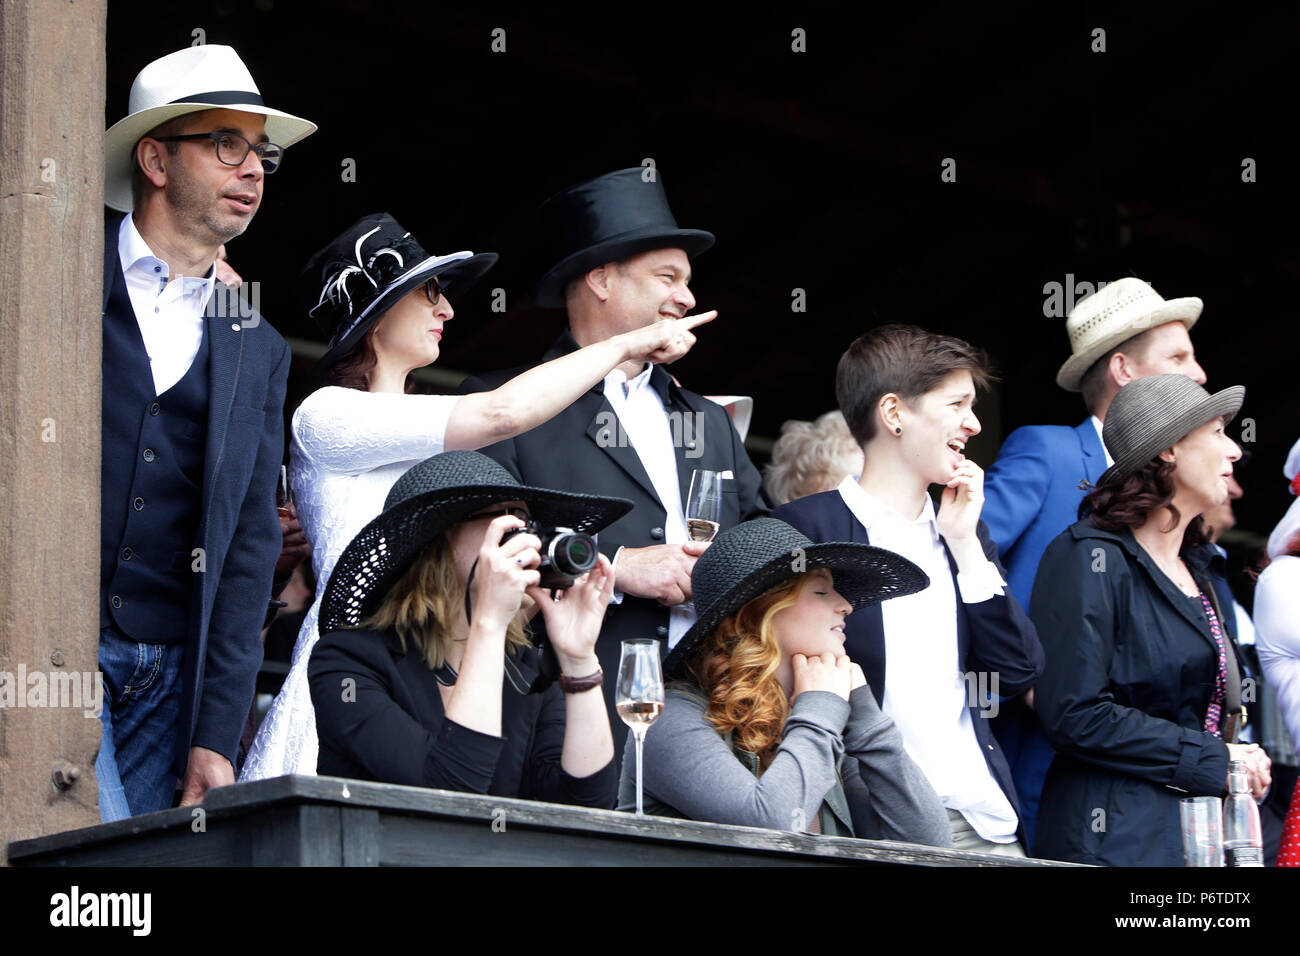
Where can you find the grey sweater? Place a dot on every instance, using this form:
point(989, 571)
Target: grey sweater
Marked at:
point(691, 771)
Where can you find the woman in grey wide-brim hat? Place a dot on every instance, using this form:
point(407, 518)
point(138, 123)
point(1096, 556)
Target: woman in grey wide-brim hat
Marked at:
point(384, 302)
point(1141, 695)
point(424, 674)
point(767, 722)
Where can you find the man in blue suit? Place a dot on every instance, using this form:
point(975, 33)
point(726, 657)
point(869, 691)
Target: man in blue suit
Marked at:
point(1123, 331)
point(193, 391)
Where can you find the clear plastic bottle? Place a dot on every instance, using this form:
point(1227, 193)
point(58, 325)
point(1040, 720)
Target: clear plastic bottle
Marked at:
point(1243, 844)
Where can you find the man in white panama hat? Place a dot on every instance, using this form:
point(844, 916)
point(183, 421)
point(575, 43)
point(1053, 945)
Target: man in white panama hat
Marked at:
point(194, 386)
point(1122, 332)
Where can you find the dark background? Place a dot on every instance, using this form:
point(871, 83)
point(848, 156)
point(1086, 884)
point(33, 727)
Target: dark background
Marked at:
point(816, 170)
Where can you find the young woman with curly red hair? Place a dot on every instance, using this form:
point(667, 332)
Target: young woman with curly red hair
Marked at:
point(766, 721)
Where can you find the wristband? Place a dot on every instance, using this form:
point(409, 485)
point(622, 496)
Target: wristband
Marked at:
point(576, 685)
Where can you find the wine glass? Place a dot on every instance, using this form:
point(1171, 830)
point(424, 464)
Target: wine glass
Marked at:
point(639, 695)
point(704, 505)
point(283, 494)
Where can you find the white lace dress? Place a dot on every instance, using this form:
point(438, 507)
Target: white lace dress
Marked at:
point(349, 448)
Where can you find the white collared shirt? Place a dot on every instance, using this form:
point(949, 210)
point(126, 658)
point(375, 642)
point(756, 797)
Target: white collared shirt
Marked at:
point(1096, 423)
point(644, 421)
point(925, 692)
point(170, 314)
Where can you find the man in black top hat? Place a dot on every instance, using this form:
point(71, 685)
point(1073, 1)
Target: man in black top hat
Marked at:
point(623, 263)
point(192, 431)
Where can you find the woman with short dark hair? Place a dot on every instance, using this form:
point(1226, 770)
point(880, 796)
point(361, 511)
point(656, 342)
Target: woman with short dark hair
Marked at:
point(1141, 696)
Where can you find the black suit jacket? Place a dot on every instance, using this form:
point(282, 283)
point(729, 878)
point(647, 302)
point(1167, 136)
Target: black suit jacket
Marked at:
point(583, 449)
point(239, 532)
point(993, 637)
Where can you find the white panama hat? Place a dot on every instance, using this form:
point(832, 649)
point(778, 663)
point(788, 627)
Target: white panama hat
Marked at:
point(1111, 316)
point(205, 77)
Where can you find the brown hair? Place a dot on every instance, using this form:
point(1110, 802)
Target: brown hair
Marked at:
point(425, 604)
point(1130, 500)
point(736, 668)
point(354, 367)
point(902, 359)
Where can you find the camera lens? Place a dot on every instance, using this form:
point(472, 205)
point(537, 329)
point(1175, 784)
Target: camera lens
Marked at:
point(574, 553)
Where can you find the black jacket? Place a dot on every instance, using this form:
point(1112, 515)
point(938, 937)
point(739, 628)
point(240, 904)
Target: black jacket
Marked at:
point(1130, 669)
point(993, 637)
point(584, 449)
point(389, 726)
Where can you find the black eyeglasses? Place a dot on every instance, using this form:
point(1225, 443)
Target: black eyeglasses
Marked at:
point(233, 149)
point(434, 293)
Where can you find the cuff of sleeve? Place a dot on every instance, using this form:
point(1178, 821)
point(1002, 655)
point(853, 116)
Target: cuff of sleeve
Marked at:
point(616, 596)
point(1202, 764)
point(824, 709)
point(463, 759)
point(599, 790)
point(981, 584)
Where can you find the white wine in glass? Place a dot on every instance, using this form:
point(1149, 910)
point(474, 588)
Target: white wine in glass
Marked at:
point(704, 505)
point(639, 695)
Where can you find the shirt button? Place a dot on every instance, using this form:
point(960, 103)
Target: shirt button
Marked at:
point(662, 630)
point(153, 409)
point(155, 308)
point(657, 533)
point(690, 444)
point(157, 268)
point(148, 454)
point(117, 601)
point(126, 554)
point(138, 504)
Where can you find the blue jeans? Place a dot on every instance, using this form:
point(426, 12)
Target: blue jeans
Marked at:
point(142, 703)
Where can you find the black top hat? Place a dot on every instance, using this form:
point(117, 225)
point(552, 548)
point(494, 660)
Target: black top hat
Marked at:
point(746, 560)
point(430, 498)
point(606, 219)
point(348, 285)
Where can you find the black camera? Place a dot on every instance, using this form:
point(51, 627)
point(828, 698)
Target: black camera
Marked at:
point(566, 554)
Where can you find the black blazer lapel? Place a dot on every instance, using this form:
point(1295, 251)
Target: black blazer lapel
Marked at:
point(112, 262)
point(869, 648)
point(225, 359)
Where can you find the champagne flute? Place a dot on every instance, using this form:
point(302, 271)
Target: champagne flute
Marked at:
point(704, 505)
point(639, 695)
point(283, 494)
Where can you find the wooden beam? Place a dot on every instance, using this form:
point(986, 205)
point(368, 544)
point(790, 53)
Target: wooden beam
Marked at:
point(51, 260)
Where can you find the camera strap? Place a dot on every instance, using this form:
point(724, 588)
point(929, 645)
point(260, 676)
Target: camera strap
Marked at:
point(517, 680)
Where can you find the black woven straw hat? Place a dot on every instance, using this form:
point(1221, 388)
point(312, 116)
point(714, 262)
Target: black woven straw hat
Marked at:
point(349, 285)
point(1150, 414)
point(755, 556)
point(606, 219)
point(430, 498)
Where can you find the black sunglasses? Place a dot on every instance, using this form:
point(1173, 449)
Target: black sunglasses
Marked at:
point(233, 149)
point(433, 291)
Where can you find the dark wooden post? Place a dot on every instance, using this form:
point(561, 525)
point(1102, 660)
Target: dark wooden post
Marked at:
point(51, 261)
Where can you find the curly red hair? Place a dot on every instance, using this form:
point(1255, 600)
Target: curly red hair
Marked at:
point(736, 668)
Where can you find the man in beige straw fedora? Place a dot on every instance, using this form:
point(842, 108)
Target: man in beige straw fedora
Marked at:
point(192, 431)
point(1122, 332)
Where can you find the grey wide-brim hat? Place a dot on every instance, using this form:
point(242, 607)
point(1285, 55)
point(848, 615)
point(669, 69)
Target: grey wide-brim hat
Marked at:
point(431, 497)
point(1151, 414)
point(755, 556)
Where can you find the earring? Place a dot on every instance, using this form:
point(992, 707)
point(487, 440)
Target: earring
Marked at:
point(898, 429)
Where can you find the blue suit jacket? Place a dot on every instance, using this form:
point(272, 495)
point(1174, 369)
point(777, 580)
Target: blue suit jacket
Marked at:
point(239, 531)
point(993, 636)
point(1032, 494)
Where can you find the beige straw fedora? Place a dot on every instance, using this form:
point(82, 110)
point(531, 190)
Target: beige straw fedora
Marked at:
point(1114, 314)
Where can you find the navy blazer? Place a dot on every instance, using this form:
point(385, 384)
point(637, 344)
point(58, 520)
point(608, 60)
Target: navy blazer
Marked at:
point(239, 530)
point(993, 636)
point(1032, 494)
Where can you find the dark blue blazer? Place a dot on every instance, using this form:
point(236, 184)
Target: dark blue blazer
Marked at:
point(239, 531)
point(993, 636)
point(1032, 494)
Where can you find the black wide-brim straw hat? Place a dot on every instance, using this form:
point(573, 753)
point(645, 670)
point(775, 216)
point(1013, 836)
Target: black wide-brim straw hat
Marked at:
point(1151, 414)
point(606, 219)
point(431, 497)
point(753, 557)
point(348, 285)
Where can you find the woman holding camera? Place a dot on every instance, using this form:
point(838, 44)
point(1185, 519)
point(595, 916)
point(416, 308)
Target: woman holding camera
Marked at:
point(424, 674)
point(384, 303)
